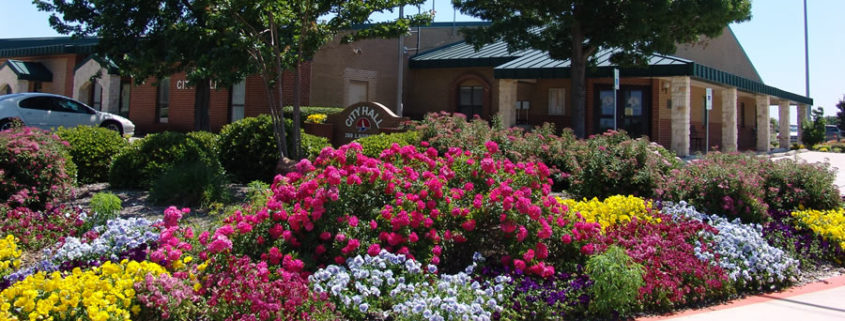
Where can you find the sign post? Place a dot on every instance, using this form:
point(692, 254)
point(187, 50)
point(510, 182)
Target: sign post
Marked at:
point(708, 106)
point(615, 103)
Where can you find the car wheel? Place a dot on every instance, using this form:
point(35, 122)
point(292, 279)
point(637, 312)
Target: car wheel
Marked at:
point(8, 123)
point(113, 126)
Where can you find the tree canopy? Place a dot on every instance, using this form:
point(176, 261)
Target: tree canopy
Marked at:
point(577, 29)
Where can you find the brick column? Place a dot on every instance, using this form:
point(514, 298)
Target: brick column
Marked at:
point(507, 102)
point(802, 116)
point(681, 115)
point(783, 124)
point(763, 133)
point(729, 127)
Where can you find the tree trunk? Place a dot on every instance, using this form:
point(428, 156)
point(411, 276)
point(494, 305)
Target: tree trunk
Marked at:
point(297, 139)
point(202, 97)
point(579, 81)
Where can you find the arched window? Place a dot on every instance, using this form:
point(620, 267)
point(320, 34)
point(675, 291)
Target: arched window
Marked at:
point(471, 95)
point(5, 90)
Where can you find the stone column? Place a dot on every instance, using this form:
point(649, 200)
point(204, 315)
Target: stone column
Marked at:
point(111, 93)
point(783, 123)
point(507, 102)
point(681, 115)
point(729, 131)
point(763, 133)
point(802, 116)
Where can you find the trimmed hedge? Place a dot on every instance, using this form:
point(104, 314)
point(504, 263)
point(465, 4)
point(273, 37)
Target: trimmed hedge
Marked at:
point(305, 111)
point(92, 149)
point(248, 148)
point(374, 145)
point(146, 159)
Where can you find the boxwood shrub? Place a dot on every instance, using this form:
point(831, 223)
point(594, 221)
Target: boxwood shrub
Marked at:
point(145, 160)
point(248, 149)
point(92, 149)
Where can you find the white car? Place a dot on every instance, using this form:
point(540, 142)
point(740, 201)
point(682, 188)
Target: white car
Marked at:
point(49, 111)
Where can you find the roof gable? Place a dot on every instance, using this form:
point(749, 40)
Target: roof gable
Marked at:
point(723, 52)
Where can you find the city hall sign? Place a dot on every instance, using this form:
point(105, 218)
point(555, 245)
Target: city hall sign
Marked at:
point(362, 120)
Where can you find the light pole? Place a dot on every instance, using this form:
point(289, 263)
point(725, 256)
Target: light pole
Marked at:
point(806, 61)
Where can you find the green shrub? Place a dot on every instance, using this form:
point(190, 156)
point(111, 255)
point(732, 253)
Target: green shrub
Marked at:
point(312, 145)
point(36, 169)
point(145, 160)
point(813, 132)
point(190, 184)
point(104, 207)
point(374, 145)
point(789, 184)
point(616, 282)
point(305, 111)
point(248, 148)
point(92, 149)
point(614, 164)
point(726, 184)
point(443, 131)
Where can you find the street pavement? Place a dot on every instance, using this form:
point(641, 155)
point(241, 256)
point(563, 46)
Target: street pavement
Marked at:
point(819, 301)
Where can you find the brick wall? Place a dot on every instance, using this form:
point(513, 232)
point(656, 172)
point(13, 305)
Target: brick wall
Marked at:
point(142, 107)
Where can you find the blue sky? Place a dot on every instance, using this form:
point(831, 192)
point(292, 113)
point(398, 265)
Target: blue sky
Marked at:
point(773, 39)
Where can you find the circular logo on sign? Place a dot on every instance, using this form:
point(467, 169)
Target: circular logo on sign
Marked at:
point(363, 124)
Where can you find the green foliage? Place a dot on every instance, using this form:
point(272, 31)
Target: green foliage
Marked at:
point(616, 281)
point(146, 159)
point(305, 111)
point(36, 169)
point(840, 115)
point(312, 145)
point(789, 184)
point(190, 184)
point(104, 207)
point(248, 149)
point(730, 185)
point(92, 149)
point(374, 145)
point(813, 131)
point(614, 164)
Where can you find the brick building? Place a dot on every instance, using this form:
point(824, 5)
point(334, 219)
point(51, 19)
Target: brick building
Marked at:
point(664, 101)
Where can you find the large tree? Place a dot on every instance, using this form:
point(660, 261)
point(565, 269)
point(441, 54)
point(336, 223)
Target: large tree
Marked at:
point(577, 29)
point(281, 35)
point(155, 38)
point(224, 40)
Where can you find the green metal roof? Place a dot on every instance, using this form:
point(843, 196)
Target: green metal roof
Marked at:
point(27, 70)
point(27, 47)
point(536, 64)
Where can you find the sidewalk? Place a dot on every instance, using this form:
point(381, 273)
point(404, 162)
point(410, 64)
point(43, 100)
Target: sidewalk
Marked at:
point(836, 161)
point(823, 300)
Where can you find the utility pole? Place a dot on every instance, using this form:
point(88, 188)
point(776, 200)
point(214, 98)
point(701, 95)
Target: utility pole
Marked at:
point(806, 63)
point(400, 66)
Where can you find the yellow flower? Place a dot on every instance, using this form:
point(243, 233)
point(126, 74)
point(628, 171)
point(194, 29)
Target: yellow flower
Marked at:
point(316, 118)
point(614, 210)
point(829, 224)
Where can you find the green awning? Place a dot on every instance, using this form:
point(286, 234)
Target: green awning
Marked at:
point(28, 70)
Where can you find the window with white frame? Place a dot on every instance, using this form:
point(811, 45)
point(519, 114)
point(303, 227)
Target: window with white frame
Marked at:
point(163, 101)
point(238, 100)
point(557, 98)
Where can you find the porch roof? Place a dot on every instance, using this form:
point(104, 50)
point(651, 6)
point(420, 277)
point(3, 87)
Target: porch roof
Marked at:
point(27, 47)
point(537, 64)
point(28, 70)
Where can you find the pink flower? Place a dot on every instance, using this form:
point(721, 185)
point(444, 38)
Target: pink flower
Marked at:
point(492, 147)
point(528, 256)
point(521, 234)
point(353, 221)
point(373, 250)
point(220, 244)
point(519, 264)
point(225, 230)
point(566, 239)
point(172, 215)
point(437, 250)
point(588, 249)
point(373, 225)
point(468, 225)
point(244, 227)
